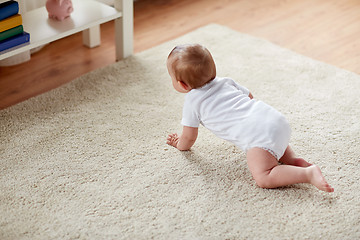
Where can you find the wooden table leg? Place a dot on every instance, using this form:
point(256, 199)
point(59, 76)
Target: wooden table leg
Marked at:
point(92, 37)
point(124, 29)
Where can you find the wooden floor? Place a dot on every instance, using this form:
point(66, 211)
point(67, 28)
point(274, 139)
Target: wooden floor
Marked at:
point(326, 30)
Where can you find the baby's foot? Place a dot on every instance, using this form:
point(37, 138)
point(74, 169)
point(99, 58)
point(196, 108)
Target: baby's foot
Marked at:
point(300, 162)
point(318, 180)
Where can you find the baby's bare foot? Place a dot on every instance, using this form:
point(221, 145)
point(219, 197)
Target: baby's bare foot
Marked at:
point(318, 180)
point(300, 162)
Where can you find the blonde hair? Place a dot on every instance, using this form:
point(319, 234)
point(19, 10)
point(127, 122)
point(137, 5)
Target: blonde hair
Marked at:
point(192, 64)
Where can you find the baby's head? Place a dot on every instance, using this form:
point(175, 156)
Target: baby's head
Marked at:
point(191, 64)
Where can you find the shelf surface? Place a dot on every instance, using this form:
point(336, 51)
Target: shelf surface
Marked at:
point(86, 14)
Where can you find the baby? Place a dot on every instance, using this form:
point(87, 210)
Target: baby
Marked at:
point(230, 112)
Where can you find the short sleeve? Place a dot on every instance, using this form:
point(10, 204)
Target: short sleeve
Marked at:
point(241, 88)
point(190, 116)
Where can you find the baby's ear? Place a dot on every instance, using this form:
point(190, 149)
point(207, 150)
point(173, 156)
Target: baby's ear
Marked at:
point(185, 86)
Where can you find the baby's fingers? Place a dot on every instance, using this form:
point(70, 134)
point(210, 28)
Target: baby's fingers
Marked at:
point(170, 142)
point(171, 139)
point(171, 136)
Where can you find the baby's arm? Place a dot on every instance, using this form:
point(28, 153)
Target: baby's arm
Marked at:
point(186, 139)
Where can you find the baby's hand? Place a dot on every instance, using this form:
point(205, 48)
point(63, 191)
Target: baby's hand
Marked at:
point(172, 139)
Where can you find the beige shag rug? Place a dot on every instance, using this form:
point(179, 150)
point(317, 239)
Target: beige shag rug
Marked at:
point(89, 159)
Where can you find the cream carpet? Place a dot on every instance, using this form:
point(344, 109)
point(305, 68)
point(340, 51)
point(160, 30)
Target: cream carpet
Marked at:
point(89, 160)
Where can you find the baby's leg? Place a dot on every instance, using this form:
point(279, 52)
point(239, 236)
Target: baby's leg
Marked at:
point(268, 174)
point(289, 158)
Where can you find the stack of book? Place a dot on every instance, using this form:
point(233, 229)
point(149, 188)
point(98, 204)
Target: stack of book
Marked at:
point(11, 29)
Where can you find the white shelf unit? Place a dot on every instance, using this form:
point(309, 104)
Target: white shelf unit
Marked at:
point(87, 17)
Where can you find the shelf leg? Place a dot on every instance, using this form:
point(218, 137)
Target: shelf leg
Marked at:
point(124, 29)
point(91, 36)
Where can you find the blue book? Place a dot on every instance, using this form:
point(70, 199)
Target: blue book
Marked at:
point(9, 8)
point(14, 41)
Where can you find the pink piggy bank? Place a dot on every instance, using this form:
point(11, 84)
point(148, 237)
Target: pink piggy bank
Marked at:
point(59, 9)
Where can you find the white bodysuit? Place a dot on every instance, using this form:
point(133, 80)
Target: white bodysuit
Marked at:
point(224, 107)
